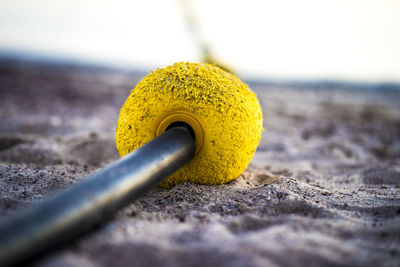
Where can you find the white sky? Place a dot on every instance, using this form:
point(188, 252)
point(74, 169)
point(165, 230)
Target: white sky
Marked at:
point(306, 39)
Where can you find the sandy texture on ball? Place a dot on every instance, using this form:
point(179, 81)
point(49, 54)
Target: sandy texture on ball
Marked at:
point(227, 110)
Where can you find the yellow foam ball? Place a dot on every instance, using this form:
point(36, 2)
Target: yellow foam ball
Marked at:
point(224, 113)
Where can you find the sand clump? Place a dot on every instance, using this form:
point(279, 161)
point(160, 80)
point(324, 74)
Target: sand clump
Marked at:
point(322, 189)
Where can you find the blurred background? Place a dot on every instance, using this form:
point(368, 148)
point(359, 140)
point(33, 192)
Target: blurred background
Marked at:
point(350, 40)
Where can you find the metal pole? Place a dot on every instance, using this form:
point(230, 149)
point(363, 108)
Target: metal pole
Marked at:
point(88, 203)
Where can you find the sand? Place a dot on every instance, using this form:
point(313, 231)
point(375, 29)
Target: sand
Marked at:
point(322, 190)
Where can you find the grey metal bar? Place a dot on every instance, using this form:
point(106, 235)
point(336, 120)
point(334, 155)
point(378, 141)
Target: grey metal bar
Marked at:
point(88, 203)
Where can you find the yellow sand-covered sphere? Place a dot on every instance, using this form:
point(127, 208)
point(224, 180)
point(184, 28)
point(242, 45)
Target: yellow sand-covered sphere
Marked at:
point(223, 112)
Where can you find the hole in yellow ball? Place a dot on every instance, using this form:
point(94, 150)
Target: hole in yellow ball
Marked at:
point(184, 125)
point(183, 117)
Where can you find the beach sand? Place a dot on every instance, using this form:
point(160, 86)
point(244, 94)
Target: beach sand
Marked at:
point(322, 190)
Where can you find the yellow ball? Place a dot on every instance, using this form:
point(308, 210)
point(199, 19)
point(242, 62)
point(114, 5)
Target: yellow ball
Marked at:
point(223, 112)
